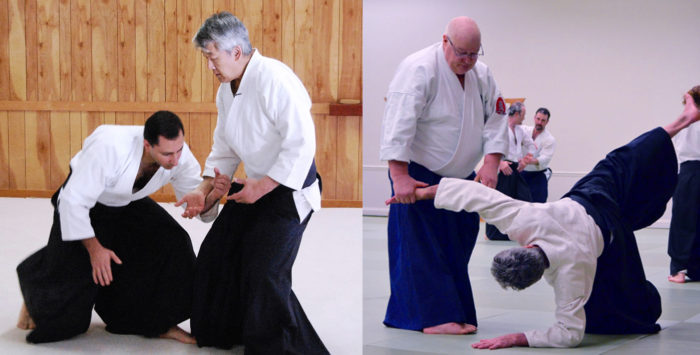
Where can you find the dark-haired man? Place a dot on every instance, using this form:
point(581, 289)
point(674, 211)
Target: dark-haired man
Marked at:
point(112, 246)
point(583, 244)
point(536, 166)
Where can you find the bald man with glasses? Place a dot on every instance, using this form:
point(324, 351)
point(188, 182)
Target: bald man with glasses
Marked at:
point(444, 113)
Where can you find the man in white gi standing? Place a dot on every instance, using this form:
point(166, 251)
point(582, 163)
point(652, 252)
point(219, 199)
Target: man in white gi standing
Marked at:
point(103, 215)
point(443, 113)
point(583, 244)
point(520, 146)
point(243, 276)
point(537, 170)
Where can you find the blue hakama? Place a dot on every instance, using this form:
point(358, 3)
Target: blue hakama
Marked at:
point(624, 193)
point(683, 240)
point(429, 250)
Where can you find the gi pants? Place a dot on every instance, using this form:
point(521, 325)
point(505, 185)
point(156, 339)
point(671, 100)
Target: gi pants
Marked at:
point(243, 279)
point(512, 185)
point(624, 193)
point(537, 182)
point(151, 291)
point(683, 241)
point(429, 251)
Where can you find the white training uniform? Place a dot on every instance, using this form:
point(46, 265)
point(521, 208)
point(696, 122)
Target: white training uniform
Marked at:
point(562, 229)
point(268, 126)
point(431, 120)
point(519, 144)
point(104, 171)
point(544, 152)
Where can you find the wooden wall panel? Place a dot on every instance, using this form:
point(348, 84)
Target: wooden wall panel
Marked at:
point(60, 148)
point(325, 49)
point(126, 30)
point(16, 151)
point(350, 63)
point(81, 47)
point(73, 65)
point(4, 151)
point(156, 51)
point(17, 51)
point(326, 151)
point(105, 80)
point(49, 78)
point(4, 55)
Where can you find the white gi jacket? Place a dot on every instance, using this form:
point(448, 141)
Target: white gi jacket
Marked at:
point(267, 126)
point(562, 229)
point(104, 171)
point(545, 145)
point(431, 120)
point(519, 144)
point(686, 143)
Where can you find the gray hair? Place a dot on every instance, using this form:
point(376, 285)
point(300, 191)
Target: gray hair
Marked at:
point(518, 268)
point(226, 31)
point(515, 107)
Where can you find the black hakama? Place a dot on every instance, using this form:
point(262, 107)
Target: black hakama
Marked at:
point(243, 279)
point(515, 186)
point(683, 237)
point(429, 251)
point(626, 191)
point(151, 291)
point(537, 182)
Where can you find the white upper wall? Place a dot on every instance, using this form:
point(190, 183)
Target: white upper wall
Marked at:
point(608, 70)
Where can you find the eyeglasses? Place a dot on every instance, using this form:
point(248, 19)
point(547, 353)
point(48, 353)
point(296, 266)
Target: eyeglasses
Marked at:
point(472, 56)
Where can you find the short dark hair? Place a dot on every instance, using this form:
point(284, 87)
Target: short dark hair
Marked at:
point(518, 268)
point(544, 111)
point(162, 123)
point(515, 107)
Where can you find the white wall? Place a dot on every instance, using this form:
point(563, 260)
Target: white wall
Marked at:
point(608, 70)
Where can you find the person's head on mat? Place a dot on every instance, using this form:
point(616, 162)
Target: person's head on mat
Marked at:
point(520, 267)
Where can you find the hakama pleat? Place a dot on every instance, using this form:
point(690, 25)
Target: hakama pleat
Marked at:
point(623, 193)
point(429, 251)
point(243, 279)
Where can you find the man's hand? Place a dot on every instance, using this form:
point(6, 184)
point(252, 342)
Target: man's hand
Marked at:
point(221, 183)
point(195, 203)
point(422, 193)
point(504, 167)
point(253, 189)
point(488, 174)
point(100, 259)
point(525, 161)
point(504, 341)
point(404, 185)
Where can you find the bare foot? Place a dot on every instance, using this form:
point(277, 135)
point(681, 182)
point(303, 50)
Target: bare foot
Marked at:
point(178, 334)
point(451, 328)
point(678, 278)
point(25, 321)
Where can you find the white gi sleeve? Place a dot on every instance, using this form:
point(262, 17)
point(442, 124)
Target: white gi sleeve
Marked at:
point(495, 133)
point(221, 155)
point(529, 146)
point(546, 154)
point(288, 105)
point(493, 206)
point(405, 103)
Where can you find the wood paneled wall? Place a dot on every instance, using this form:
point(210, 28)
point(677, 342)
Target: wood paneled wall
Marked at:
point(68, 66)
